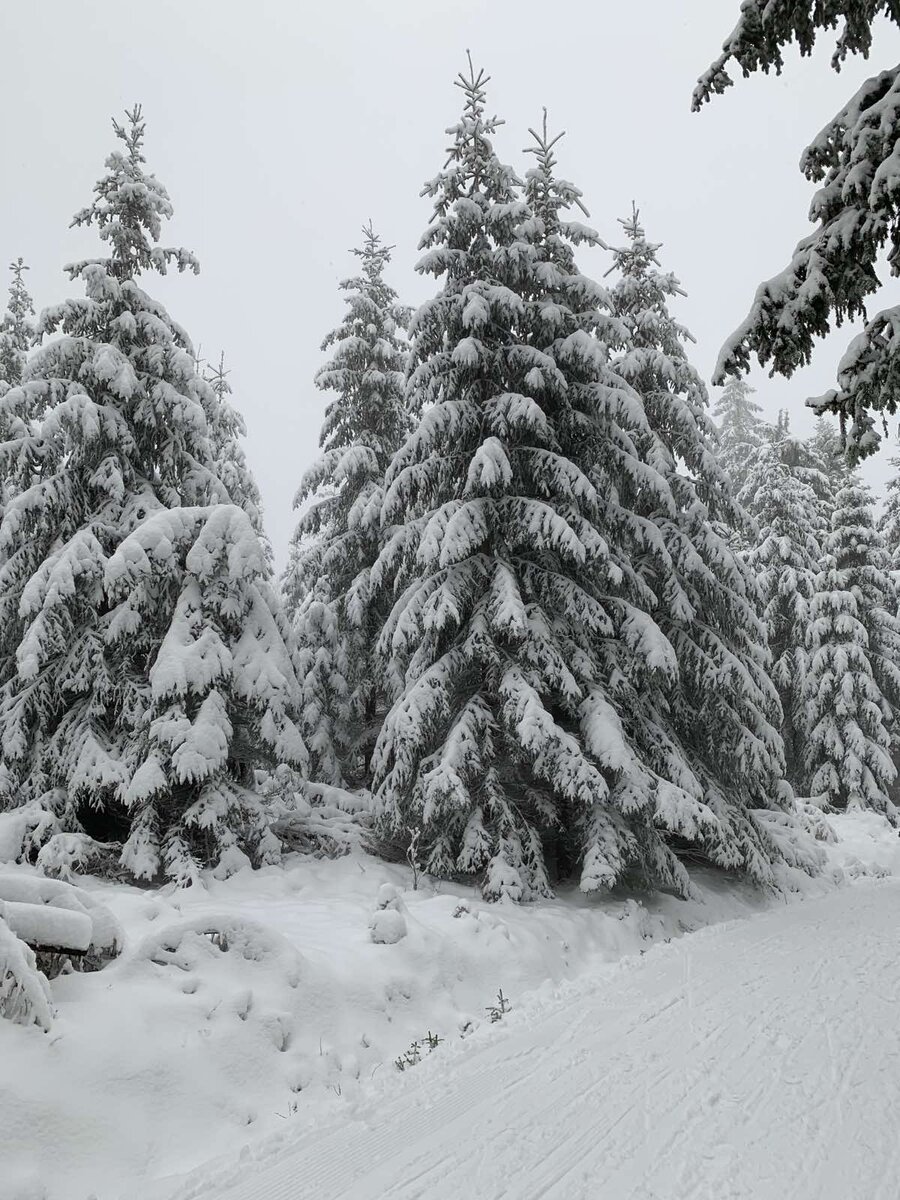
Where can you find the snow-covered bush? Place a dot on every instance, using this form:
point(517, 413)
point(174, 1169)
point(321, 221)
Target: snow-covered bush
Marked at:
point(315, 818)
point(48, 927)
point(230, 934)
point(24, 992)
point(66, 855)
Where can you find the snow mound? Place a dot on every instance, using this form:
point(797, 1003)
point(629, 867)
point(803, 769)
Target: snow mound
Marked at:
point(865, 845)
point(182, 945)
point(387, 927)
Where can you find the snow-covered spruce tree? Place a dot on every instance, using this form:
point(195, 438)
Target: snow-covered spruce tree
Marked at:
point(812, 460)
point(889, 521)
point(853, 683)
point(227, 430)
point(786, 560)
point(741, 429)
point(151, 668)
point(531, 677)
point(722, 707)
point(16, 328)
point(192, 609)
point(497, 560)
point(855, 211)
point(16, 338)
point(327, 585)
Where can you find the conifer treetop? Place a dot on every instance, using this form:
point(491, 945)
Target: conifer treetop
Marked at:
point(16, 327)
point(374, 254)
point(551, 192)
point(128, 209)
point(227, 429)
point(472, 172)
point(20, 304)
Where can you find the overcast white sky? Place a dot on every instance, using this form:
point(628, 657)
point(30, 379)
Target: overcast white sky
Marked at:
point(279, 127)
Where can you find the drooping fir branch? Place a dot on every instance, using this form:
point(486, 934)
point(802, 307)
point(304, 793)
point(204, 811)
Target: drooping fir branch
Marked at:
point(833, 270)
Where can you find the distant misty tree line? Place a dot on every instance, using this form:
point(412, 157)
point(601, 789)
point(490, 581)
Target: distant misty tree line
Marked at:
point(535, 604)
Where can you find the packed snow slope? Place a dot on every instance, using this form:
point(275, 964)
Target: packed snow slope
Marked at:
point(758, 1059)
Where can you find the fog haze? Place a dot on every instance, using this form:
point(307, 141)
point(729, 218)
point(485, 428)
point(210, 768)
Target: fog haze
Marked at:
point(279, 129)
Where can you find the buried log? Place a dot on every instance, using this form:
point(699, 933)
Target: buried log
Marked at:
point(48, 930)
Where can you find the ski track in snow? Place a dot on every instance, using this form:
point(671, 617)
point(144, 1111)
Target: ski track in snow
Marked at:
point(750, 1061)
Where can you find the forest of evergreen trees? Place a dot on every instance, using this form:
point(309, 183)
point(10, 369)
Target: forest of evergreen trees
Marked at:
point(559, 619)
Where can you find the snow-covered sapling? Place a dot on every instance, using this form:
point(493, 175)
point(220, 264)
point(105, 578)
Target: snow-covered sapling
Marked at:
point(498, 1010)
point(387, 924)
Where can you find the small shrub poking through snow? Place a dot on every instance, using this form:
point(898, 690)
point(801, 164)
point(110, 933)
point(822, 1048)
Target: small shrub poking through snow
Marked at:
point(413, 1056)
point(498, 1010)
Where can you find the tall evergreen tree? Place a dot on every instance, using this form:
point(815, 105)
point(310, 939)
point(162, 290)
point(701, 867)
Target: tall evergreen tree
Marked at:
point(786, 561)
point(497, 557)
point(151, 670)
point(16, 328)
point(828, 451)
point(741, 429)
point(889, 521)
point(16, 339)
point(327, 583)
point(833, 269)
point(853, 685)
point(531, 675)
point(724, 710)
point(811, 460)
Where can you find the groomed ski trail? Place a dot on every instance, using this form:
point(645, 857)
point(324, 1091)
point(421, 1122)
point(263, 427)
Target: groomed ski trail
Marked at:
point(751, 1061)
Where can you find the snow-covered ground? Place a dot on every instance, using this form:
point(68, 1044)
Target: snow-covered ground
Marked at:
point(266, 1069)
point(754, 1061)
